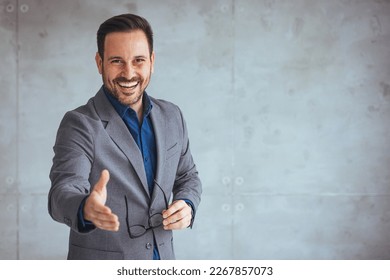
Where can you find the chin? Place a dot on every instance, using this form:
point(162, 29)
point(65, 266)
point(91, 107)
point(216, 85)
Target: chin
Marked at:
point(129, 100)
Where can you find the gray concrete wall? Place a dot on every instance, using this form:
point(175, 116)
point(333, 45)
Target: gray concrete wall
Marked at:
point(287, 104)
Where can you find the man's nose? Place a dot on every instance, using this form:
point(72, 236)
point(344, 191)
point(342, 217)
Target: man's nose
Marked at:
point(128, 71)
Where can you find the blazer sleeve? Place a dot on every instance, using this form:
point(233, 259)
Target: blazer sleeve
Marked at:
point(187, 184)
point(73, 154)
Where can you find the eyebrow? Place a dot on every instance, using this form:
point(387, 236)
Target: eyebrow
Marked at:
point(140, 56)
point(119, 57)
point(114, 57)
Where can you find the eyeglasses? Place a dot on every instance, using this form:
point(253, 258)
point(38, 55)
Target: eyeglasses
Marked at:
point(154, 221)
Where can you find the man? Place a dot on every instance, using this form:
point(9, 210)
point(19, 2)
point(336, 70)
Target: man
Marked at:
point(119, 158)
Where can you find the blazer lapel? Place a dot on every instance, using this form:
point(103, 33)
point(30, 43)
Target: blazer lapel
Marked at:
point(120, 134)
point(159, 127)
point(158, 122)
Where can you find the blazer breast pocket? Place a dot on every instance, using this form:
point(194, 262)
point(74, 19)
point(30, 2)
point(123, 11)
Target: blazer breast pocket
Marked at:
point(173, 150)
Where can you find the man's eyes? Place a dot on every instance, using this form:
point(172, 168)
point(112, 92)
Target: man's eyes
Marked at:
point(136, 61)
point(116, 61)
point(140, 60)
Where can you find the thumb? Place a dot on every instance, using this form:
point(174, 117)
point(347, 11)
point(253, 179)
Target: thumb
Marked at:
point(100, 186)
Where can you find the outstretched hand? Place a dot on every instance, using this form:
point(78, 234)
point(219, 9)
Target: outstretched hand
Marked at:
point(95, 209)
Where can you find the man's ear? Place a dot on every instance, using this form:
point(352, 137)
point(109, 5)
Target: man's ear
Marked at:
point(152, 62)
point(99, 62)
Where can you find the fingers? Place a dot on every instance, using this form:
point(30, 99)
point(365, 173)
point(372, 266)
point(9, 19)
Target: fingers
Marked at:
point(177, 216)
point(107, 222)
point(99, 214)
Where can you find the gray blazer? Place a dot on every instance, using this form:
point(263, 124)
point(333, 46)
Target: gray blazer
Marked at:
point(93, 137)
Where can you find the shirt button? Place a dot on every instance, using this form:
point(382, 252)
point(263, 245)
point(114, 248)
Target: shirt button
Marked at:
point(148, 246)
point(146, 159)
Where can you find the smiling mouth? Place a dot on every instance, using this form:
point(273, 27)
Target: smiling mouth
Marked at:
point(128, 85)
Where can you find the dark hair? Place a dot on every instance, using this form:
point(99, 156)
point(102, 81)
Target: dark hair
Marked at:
point(123, 23)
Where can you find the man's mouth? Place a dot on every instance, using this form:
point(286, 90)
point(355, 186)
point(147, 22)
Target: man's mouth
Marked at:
point(128, 85)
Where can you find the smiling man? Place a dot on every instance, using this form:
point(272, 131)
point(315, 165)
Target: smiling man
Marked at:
point(126, 66)
point(123, 176)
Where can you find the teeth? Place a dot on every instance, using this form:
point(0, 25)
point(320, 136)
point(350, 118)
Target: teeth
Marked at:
point(128, 85)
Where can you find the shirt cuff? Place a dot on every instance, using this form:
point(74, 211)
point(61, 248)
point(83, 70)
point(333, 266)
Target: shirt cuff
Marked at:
point(83, 224)
point(189, 202)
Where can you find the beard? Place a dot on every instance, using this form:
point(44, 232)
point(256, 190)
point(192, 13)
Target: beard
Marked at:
point(127, 92)
point(126, 95)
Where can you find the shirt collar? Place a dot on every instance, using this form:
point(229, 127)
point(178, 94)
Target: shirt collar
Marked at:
point(122, 109)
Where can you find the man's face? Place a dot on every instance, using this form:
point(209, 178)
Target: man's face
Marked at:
point(127, 66)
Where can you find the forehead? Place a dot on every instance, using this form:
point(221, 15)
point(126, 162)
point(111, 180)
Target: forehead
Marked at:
point(134, 42)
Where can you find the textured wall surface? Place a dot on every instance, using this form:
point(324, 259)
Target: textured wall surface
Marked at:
point(287, 104)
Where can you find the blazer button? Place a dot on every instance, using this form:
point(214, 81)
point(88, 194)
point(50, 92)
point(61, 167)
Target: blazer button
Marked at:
point(148, 246)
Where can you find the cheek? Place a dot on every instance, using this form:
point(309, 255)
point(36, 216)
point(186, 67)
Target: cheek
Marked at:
point(147, 73)
point(110, 76)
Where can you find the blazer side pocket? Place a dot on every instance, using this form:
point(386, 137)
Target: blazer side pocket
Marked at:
point(81, 253)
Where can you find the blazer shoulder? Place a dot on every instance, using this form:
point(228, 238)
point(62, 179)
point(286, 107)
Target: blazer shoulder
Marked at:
point(81, 124)
point(166, 107)
point(86, 112)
